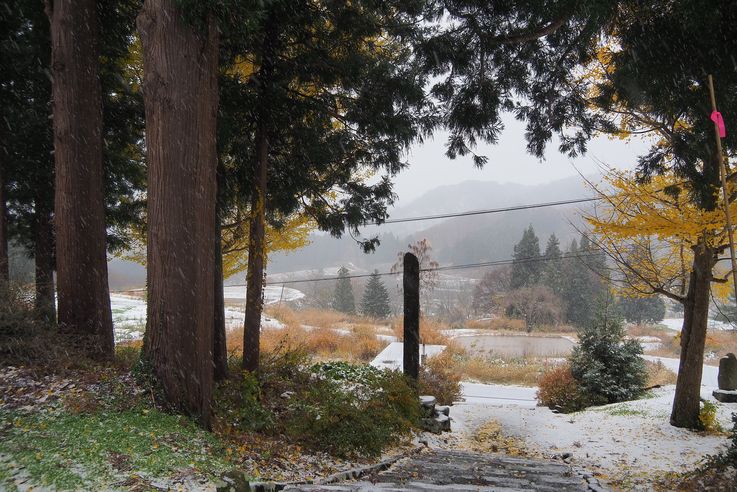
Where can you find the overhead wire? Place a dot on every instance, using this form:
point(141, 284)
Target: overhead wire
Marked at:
point(467, 213)
point(506, 261)
point(512, 208)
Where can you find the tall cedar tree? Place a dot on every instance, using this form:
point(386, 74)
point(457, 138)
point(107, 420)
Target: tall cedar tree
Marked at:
point(582, 280)
point(552, 274)
point(28, 159)
point(79, 214)
point(28, 136)
point(4, 263)
point(375, 300)
point(181, 98)
point(526, 267)
point(343, 299)
point(315, 99)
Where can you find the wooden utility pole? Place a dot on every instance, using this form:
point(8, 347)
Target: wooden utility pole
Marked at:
point(725, 193)
point(411, 282)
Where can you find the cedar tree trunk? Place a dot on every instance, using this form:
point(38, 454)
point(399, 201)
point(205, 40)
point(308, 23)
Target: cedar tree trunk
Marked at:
point(44, 256)
point(256, 257)
point(4, 263)
point(257, 238)
point(220, 350)
point(79, 213)
point(181, 99)
point(687, 400)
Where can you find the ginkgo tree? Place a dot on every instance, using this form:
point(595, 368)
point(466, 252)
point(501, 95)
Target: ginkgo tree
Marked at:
point(662, 243)
point(651, 229)
point(665, 224)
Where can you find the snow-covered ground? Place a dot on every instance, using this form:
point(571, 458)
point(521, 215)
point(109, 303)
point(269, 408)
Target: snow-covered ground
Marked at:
point(272, 293)
point(624, 441)
point(129, 317)
point(392, 356)
point(676, 324)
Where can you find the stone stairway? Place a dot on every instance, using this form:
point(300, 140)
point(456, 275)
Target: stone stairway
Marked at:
point(434, 470)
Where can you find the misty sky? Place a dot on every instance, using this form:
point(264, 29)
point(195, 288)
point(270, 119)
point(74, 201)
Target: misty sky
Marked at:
point(508, 162)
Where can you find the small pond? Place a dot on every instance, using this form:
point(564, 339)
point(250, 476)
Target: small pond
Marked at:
point(516, 345)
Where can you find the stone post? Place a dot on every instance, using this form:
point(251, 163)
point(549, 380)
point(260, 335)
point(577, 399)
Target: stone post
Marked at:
point(411, 283)
point(727, 377)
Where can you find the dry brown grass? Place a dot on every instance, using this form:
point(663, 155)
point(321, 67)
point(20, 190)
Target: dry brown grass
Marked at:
point(649, 331)
point(659, 375)
point(719, 343)
point(359, 344)
point(504, 324)
point(321, 318)
point(430, 330)
point(523, 372)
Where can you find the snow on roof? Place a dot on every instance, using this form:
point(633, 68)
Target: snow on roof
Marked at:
point(392, 357)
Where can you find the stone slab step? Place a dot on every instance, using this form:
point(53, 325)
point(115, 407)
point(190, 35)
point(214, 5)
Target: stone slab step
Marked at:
point(466, 471)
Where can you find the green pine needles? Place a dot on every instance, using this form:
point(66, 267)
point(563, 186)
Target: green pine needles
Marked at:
point(608, 368)
point(343, 299)
point(375, 301)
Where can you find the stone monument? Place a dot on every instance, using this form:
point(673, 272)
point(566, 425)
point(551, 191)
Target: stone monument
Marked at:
point(727, 379)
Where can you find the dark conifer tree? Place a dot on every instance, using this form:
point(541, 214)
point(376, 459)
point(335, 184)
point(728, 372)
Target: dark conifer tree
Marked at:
point(375, 301)
point(526, 267)
point(343, 299)
point(642, 309)
point(552, 270)
point(310, 100)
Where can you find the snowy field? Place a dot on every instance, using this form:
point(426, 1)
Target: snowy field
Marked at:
point(624, 441)
point(272, 294)
point(129, 315)
point(676, 324)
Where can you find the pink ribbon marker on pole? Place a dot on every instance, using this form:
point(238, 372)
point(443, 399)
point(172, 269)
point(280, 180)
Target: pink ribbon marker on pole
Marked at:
point(716, 117)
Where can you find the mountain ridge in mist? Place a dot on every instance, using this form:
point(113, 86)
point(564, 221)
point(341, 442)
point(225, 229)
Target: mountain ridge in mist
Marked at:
point(459, 240)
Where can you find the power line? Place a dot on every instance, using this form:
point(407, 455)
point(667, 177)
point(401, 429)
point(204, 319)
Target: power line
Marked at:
point(487, 211)
point(445, 216)
point(508, 261)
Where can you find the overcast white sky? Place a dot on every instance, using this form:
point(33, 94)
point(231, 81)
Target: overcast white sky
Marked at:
point(508, 162)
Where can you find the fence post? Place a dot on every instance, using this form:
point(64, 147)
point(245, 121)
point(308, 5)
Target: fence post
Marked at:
point(411, 284)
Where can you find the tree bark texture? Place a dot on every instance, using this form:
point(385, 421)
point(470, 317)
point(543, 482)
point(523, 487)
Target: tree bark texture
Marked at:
point(4, 263)
point(257, 238)
point(181, 99)
point(687, 400)
point(44, 256)
point(79, 214)
point(220, 349)
point(256, 256)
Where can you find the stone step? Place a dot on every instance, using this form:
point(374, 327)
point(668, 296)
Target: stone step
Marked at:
point(461, 471)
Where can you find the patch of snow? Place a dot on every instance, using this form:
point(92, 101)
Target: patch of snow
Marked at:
point(272, 293)
point(676, 324)
point(647, 339)
point(648, 343)
point(498, 394)
point(129, 318)
point(387, 338)
point(392, 357)
point(272, 323)
point(462, 332)
point(625, 438)
point(708, 377)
